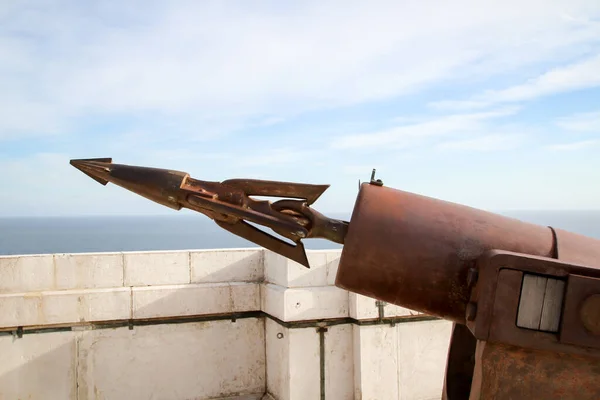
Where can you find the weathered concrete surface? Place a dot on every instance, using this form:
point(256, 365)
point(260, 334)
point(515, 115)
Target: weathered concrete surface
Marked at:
point(249, 358)
point(196, 360)
point(227, 265)
point(64, 307)
point(298, 304)
point(195, 299)
point(39, 366)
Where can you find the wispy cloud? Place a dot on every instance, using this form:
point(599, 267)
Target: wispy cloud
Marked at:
point(197, 61)
point(580, 75)
point(301, 91)
point(581, 122)
point(405, 136)
point(498, 142)
point(363, 170)
point(583, 144)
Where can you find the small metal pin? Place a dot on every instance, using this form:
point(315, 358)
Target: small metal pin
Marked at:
point(375, 182)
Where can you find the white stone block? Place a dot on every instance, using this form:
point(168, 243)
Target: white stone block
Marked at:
point(287, 273)
point(228, 265)
point(278, 359)
point(315, 303)
point(272, 300)
point(339, 363)
point(422, 354)
point(293, 369)
point(87, 305)
point(88, 271)
point(375, 362)
point(363, 307)
point(26, 273)
point(39, 366)
point(195, 299)
point(392, 310)
point(65, 306)
point(203, 360)
point(308, 303)
point(17, 309)
point(304, 368)
point(333, 262)
point(157, 268)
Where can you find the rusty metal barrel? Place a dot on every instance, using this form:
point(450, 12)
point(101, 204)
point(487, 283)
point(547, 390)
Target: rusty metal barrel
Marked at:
point(417, 252)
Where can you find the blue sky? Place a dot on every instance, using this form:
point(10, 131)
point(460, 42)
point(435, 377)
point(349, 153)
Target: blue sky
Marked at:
point(491, 104)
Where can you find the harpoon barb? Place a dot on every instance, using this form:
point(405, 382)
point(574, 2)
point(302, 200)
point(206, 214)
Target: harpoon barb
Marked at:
point(230, 203)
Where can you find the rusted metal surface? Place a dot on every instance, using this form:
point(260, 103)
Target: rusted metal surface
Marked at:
point(517, 363)
point(444, 259)
point(416, 252)
point(230, 205)
point(577, 249)
point(498, 291)
point(590, 314)
point(460, 364)
point(508, 372)
point(581, 314)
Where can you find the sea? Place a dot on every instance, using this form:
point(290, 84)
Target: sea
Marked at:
point(46, 235)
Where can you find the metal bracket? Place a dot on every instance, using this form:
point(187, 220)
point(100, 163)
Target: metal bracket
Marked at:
point(381, 309)
point(534, 302)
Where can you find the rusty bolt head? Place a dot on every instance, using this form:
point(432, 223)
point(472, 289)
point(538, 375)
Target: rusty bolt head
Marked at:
point(590, 314)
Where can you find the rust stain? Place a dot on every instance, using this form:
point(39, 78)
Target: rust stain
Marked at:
point(416, 252)
point(509, 372)
point(230, 203)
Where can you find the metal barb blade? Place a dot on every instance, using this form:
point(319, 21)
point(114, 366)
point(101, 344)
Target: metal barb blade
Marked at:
point(230, 203)
point(92, 168)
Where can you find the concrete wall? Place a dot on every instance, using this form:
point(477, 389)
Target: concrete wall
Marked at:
point(218, 324)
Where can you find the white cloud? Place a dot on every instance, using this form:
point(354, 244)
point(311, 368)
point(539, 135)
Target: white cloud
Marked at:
point(584, 144)
point(497, 142)
point(171, 76)
point(580, 75)
point(582, 122)
point(363, 170)
point(274, 157)
point(198, 61)
point(405, 136)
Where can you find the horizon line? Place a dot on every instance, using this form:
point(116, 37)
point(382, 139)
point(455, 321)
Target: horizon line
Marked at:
point(180, 214)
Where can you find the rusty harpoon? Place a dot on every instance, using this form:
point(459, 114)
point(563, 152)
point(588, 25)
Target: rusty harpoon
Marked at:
point(230, 203)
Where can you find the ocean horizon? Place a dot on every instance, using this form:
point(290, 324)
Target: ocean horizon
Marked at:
point(93, 234)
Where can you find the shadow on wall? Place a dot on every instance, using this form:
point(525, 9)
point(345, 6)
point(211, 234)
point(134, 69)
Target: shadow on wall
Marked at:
point(39, 366)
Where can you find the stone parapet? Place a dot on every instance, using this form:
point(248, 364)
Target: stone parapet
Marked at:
point(206, 324)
